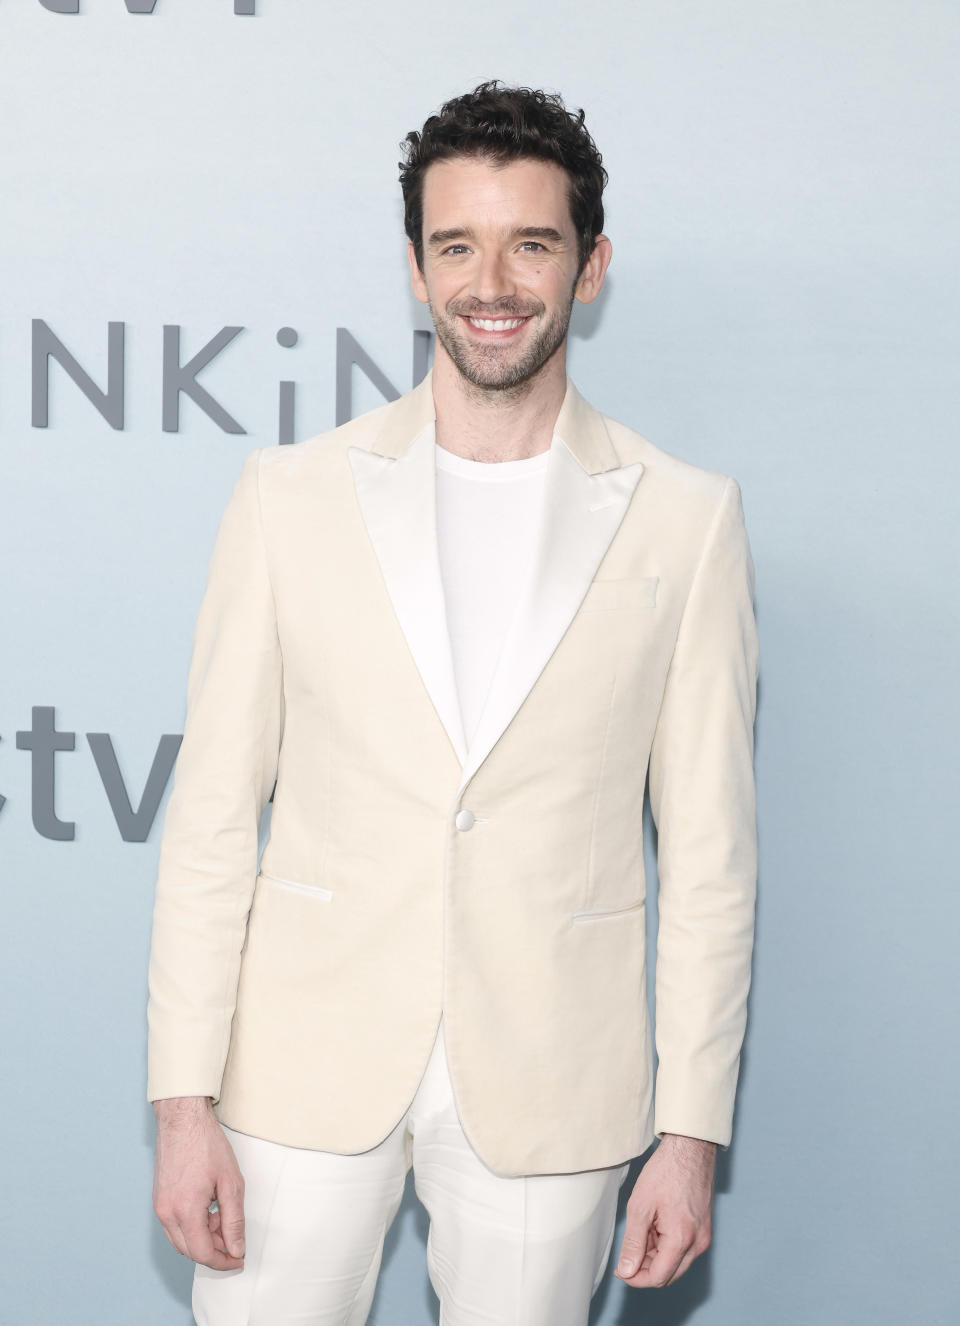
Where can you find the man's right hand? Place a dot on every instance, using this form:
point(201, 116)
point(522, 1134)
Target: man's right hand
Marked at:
point(194, 1165)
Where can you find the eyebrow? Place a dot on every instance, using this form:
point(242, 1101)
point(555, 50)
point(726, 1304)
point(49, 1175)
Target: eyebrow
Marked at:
point(548, 233)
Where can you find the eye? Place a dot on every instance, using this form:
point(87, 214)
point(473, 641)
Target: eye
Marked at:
point(455, 249)
point(533, 244)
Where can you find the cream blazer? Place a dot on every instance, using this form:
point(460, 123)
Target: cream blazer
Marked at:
point(405, 876)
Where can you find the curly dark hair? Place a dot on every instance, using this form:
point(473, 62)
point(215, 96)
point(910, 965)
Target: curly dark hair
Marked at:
point(506, 124)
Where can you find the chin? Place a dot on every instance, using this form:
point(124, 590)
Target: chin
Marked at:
point(500, 381)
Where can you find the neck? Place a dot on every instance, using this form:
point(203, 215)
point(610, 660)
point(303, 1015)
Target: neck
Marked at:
point(492, 425)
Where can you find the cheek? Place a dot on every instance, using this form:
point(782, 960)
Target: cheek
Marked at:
point(549, 281)
point(445, 286)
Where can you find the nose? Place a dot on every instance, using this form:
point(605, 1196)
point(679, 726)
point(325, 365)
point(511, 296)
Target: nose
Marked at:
point(492, 279)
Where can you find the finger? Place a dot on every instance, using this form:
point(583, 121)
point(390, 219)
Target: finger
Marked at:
point(685, 1262)
point(664, 1263)
point(175, 1236)
point(637, 1236)
point(219, 1261)
point(230, 1201)
point(200, 1246)
point(216, 1233)
point(222, 1261)
point(689, 1257)
point(651, 1249)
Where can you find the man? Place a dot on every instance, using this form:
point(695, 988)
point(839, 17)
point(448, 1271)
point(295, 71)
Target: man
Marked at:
point(453, 637)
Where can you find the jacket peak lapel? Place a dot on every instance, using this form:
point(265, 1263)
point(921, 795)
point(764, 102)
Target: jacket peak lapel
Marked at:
point(585, 495)
point(580, 513)
point(397, 499)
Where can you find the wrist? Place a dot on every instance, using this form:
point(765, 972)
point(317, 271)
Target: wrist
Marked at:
point(681, 1142)
point(168, 1107)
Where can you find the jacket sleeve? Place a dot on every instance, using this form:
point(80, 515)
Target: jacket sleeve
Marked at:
point(224, 776)
point(703, 802)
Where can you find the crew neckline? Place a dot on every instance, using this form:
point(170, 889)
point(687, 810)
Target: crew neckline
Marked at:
point(490, 471)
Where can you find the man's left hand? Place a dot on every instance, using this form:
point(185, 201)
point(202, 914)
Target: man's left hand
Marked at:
point(669, 1213)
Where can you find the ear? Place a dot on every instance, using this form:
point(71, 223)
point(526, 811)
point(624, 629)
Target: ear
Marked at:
point(590, 281)
point(417, 283)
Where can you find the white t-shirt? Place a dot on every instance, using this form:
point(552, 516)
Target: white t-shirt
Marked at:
point(487, 518)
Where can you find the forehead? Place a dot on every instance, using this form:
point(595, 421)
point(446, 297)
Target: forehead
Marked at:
point(472, 191)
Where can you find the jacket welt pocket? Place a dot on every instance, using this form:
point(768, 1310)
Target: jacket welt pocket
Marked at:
point(608, 913)
point(298, 886)
point(632, 592)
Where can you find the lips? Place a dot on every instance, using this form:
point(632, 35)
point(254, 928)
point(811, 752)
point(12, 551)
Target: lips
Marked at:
point(495, 327)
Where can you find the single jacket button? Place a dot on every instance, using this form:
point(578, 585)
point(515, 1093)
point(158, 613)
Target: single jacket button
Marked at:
point(464, 819)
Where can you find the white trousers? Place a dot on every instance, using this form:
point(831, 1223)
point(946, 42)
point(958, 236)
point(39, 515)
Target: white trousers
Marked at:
point(526, 1251)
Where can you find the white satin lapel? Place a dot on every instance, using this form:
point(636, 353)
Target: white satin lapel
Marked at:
point(397, 497)
point(579, 517)
point(586, 494)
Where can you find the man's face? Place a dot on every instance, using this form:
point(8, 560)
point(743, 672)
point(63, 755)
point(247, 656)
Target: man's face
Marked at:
point(499, 266)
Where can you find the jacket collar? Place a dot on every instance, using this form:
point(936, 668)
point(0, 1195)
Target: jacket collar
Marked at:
point(579, 426)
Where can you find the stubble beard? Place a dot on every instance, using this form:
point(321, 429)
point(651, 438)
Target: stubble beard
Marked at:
point(491, 368)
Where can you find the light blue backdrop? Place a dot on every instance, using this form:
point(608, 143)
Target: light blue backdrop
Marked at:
point(782, 306)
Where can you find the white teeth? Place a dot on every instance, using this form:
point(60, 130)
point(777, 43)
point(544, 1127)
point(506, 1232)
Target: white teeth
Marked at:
point(496, 324)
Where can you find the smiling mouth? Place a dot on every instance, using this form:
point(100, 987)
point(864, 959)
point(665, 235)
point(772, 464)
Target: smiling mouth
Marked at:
point(495, 325)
